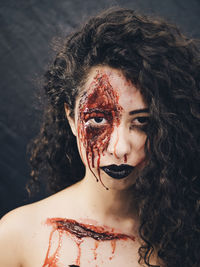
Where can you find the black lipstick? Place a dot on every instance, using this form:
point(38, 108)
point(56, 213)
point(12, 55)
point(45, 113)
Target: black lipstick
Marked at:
point(118, 171)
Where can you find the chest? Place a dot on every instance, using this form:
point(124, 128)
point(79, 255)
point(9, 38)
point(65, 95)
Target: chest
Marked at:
point(62, 249)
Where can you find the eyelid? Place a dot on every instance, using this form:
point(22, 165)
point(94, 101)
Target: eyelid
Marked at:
point(92, 115)
point(91, 122)
point(96, 110)
point(140, 116)
point(136, 123)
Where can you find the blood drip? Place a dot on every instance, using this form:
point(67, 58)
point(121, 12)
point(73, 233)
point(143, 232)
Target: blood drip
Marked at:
point(78, 231)
point(96, 244)
point(113, 245)
point(100, 100)
point(52, 260)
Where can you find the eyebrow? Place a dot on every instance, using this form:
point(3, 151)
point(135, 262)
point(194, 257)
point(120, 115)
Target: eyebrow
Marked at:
point(136, 111)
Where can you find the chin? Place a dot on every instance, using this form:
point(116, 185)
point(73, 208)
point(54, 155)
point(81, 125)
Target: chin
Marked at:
point(118, 184)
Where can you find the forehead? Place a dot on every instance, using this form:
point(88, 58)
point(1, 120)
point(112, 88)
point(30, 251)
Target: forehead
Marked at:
point(102, 78)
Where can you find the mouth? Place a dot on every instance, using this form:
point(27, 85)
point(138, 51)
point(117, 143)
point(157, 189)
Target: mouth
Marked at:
point(118, 171)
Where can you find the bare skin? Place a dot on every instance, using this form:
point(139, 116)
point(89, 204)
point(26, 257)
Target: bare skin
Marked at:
point(25, 236)
point(100, 201)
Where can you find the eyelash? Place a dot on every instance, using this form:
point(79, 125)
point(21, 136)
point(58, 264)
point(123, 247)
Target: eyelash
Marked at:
point(140, 125)
point(93, 120)
point(90, 118)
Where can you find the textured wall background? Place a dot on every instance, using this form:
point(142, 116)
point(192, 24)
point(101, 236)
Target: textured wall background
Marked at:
point(27, 29)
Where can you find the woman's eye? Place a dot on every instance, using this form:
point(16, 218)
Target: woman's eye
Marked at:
point(140, 122)
point(97, 120)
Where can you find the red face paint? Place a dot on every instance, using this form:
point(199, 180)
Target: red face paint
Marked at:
point(100, 101)
point(78, 232)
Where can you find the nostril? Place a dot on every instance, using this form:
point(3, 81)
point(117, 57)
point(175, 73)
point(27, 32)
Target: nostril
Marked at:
point(125, 158)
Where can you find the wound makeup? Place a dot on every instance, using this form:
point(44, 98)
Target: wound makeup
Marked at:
point(99, 113)
point(79, 232)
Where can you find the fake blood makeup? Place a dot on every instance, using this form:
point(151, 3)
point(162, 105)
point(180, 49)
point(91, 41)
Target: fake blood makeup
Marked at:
point(78, 232)
point(99, 103)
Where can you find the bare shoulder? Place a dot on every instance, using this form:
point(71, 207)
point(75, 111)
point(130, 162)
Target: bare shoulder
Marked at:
point(16, 220)
point(24, 233)
point(11, 237)
point(20, 231)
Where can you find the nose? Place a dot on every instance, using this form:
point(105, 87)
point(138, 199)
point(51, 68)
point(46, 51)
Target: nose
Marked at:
point(119, 144)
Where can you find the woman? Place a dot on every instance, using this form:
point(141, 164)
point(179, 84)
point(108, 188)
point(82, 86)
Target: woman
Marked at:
point(121, 127)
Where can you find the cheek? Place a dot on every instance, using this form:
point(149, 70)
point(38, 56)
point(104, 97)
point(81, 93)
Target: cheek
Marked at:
point(97, 137)
point(138, 143)
point(94, 140)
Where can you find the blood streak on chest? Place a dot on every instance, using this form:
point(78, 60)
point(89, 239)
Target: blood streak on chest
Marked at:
point(78, 232)
point(100, 101)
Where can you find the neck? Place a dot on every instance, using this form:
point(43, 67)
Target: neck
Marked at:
point(107, 205)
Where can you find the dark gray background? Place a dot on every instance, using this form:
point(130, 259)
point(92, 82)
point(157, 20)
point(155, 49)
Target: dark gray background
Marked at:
point(28, 28)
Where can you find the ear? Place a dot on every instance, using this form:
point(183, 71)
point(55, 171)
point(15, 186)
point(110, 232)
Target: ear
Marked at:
point(70, 119)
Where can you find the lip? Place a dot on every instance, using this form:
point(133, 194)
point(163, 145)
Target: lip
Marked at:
point(118, 171)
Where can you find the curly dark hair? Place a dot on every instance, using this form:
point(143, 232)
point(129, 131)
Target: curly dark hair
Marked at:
point(165, 66)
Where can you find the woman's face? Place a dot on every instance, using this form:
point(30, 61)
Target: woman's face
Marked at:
point(110, 121)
